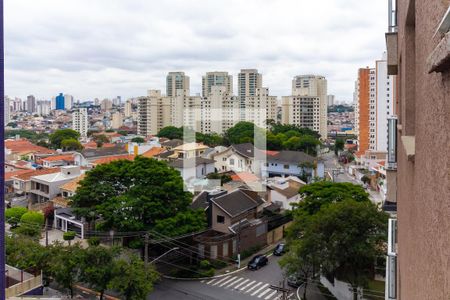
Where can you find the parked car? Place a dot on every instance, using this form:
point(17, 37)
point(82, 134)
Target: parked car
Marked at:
point(294, 280)
point(257, 262)
point(279, 250)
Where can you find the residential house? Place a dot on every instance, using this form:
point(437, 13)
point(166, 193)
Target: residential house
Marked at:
point(193, 168)
point(57, 160)
point(66, 220)
point(170, 144)
point(16, 149)
point(292, 163)
point(67, 190)
point(189, 150)
point(46, 187)
point(284, 191)
point(86, 156)
point(239, 158)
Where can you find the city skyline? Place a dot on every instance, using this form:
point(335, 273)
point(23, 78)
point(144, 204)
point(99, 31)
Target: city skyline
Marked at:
point(90, 64)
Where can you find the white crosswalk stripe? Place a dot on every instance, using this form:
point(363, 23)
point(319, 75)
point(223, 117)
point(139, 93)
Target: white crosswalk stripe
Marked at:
point(242, 283)
point(260, 289)
point(234, 282)
point(221, 280)
point(270, 295)
point(228, 281)
point(264, 292)
point(244, 287)
point(253, 287)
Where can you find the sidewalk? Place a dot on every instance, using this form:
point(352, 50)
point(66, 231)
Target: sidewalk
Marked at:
point(312, 293)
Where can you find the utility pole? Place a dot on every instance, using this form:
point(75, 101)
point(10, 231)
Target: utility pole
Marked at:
point(146, 249)
point(46, 232)
point(282, 289)
point(239, 246)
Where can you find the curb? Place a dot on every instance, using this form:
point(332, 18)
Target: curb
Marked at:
point(207, 278)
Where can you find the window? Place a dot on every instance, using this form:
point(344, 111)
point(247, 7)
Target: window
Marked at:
point(286, 166)
point(224, 159)
point(220, 219)
point(232, 161)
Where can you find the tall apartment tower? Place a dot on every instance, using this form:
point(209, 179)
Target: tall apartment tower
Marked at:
point(31, 104)
point(7, 107)
point(176, 81)
point(260, 107)
point(128, 109)
point(59, 102)
point(185, 110)
point(219, 111)
point(154, 113)
point(116, 120)
point(80, 121)
point(375, 102)
point(248, 81)
point(216, 79)
point(307, 105)
point(68, 101)
point(330, 101)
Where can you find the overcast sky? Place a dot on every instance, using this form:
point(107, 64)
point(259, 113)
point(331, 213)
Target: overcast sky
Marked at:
point(106, 48)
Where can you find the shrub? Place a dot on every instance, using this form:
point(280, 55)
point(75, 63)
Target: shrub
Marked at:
point(69, 236)
point(13, 215)
point(205, 264)
point(94, 241)
point(32, 217)
point(135, 244)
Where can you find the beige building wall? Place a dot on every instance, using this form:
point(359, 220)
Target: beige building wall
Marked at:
point(176, 81)
point(117, 120)
point(260, 107)
point(216, 79)
point(154, 113)
point(314, 86)
point(303, 111)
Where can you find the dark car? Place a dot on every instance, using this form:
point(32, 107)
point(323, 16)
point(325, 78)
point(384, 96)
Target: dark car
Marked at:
point(257, 262)
point(294, 281)
point(279, 250)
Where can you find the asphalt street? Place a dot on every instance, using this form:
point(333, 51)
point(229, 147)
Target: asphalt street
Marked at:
point(244, 285)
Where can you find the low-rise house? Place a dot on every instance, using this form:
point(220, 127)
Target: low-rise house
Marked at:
point(170, 144)
point(66, 220)
point(292, 163)
point(22, 183)
point(57, 160)
point(67, 190)
point(284, 191)
point(86, 156)
point(46, 187)
point(232, 219)
point(16, 149)
point(188, 150)
point(238, 158)
point(193, 168)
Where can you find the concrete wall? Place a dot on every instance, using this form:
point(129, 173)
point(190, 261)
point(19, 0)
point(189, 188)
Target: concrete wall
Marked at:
point(423, 182)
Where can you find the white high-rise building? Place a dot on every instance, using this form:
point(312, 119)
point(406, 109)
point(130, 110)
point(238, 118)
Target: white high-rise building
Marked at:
point(313, 86)
point(374, 97)
point(7, 111)
point(31, 104)
point(330, 99)
point(117, 120)
point(248, 81)
point(216, 79)
point(154, 113)
point(68, 102)
point(176, 81)
point(80, 121)
point(43, 108)
point(301, 110)
point(220, 111)
point(128, 109)
point(260, 107)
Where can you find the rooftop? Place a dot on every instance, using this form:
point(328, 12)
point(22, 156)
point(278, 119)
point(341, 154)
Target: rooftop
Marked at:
point(106, 160)
point(31, 173)
point(235, 203)
point(191, 147)
point(190, 162)
point(72, 185)
point(291, 157)
point(25, 146)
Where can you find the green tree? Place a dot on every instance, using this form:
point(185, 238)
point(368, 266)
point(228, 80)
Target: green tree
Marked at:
point(321, 193)
point(62, 134)
point(132, 279)
point(97, 267)
point(171, 132)
point(65, 265)
point(69, 236)
point(182, 223)
point(224, 178)
point(350, 236)
point(27, 254)
point(338, 145)
point(131, 195)
point(243, 132)
point(211, 140)
point(13, 215)
point(31, 223)
point(138, 140)
point(71, 145)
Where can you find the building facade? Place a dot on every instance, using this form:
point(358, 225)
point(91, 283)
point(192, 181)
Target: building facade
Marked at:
point(68, 101)
point(260, 107)
point(176, 81)
point(418, 44)
point(314, 86)
point(154, 113)
point(80, 121)
point(116, 120)
point(31, 104)
point(216, 79)
point(59, 102)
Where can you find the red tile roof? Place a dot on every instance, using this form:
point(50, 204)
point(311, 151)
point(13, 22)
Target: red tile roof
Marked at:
point(29, 174)
point(271, 152)
point(66, 157)
point(154, 151)
point(9, 175)
point(109, 159)
point(24, 145)
point(244, 176)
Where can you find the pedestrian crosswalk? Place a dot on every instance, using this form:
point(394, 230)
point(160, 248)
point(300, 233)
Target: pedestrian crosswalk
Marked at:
point(249, 287)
